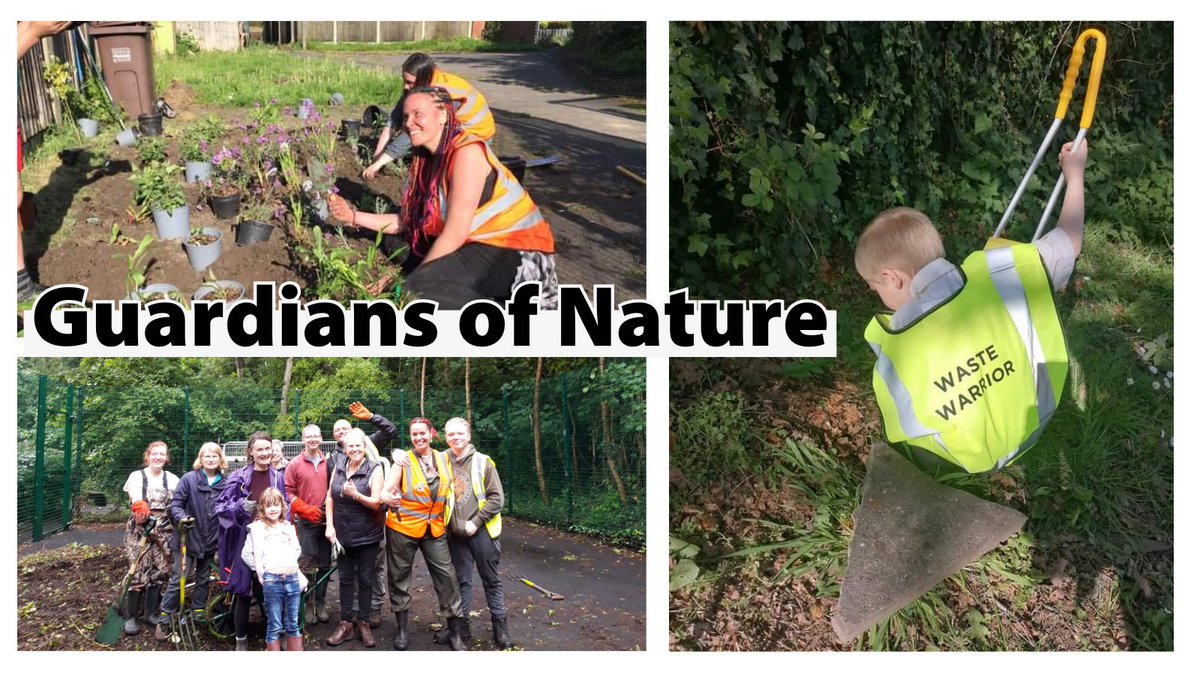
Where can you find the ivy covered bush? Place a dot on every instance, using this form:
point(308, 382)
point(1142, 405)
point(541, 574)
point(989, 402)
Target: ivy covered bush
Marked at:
point(787, 138)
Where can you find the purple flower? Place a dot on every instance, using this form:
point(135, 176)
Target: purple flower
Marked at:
point(329, 169)
point(257, 105)
point(287, 110)
point(274, 101)
point(333, 190)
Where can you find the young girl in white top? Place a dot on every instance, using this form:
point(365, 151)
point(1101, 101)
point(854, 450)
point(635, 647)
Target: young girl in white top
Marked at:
point(273, 551)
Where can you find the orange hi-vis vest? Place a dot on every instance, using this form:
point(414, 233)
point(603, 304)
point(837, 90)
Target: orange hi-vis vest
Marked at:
point(419, 510)
point(508, 218)
point(470, 107)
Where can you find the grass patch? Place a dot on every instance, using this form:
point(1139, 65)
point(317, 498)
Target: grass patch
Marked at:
point(434, 46)
point(259, 73)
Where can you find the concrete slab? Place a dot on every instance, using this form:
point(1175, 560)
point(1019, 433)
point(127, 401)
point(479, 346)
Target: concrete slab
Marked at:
point(910, 533)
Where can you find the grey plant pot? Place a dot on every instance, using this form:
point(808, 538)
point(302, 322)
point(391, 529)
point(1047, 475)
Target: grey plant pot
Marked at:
point(165, 289)
point(195, 172)
point(303, 109)
point(171, 224)
point(201, 257)
point(126, 138)
point(88, 127)
point(223, 284)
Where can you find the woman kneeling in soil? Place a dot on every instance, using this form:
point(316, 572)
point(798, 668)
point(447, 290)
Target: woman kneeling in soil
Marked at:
point(472, 230)
point(149, 532)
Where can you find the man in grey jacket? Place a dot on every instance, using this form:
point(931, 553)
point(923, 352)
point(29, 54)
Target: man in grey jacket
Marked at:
point(475, 528)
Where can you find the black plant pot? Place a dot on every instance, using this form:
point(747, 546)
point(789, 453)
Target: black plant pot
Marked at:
point(150, 125)
point(371, 115)
point(226, 207)
point(350, 128)
point(252, 232)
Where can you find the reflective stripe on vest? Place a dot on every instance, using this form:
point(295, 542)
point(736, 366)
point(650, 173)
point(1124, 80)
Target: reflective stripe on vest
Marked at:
point(418, 509)
point(479, 464)
point(470, 107)
point(509, 219)
point(976, 379)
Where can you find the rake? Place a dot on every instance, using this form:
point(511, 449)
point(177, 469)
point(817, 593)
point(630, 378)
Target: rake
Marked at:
point(512, 574)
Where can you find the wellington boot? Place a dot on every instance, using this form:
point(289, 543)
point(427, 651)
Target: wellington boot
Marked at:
point(295, 644)
point(273, 646)
point(400, 643)
point(132, 602)
point(456, 640)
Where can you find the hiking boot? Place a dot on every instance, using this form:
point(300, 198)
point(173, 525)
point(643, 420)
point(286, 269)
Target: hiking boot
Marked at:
point(364, 633)
point(500, 633)
point(322, 613)
point(456, 640)
point(400, 643)
point(375, 618)
point(343, 632)
point(161, 633)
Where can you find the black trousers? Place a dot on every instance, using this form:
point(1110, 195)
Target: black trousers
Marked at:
point(356, 567)
point(472, 272)
point(483, 553)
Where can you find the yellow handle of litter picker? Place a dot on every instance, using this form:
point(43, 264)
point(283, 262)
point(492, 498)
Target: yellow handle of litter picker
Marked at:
point(1089, 101)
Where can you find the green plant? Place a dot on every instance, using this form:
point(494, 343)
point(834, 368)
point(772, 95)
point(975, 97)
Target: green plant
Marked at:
point(193, 146)
point(135, 271)
point(158, 187)
point(186, 44)
point(151, 149)
point(258, 211)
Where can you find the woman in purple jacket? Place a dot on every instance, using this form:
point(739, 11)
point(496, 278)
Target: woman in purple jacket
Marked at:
point(235, 509)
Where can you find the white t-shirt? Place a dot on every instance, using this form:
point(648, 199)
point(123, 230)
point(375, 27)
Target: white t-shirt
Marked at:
point(940, 279)
point(133, 486)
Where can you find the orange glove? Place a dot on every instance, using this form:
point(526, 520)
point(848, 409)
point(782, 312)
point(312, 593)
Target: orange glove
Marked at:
point(306, 511)
point(340, 209)
point(141, 511)
point(360, 412)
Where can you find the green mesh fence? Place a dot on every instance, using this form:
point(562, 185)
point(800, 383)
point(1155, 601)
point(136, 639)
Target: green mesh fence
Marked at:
point(591, 444)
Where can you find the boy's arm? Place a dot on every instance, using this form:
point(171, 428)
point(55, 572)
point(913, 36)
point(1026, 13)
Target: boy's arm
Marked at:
point(1070, 218)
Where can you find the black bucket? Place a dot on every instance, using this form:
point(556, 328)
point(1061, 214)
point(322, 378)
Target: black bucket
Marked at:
point(350, 128)
point(516, 165)
point(226, 207)
point(150, 125)
point(252, 232)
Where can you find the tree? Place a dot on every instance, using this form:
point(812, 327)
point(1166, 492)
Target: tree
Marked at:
point(609, 443)
point(287, 381)
point(537, 433)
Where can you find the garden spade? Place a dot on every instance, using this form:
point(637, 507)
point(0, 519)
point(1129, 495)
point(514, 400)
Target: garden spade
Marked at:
point(110, 630)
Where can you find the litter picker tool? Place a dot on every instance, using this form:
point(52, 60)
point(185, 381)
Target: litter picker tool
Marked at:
point(1085, 122)
point(183, 628)
point(549, 594)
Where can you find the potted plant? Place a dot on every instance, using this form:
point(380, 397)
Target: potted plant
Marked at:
point(226, 182)
point(203, 247)
point(219, 290)
point(159, 188)
point(194, 150)
point(255, 225)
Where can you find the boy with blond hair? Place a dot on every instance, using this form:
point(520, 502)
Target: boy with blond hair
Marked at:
point(972, 362)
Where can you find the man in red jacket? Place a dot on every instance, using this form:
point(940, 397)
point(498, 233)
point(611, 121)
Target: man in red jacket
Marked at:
point(306, 480)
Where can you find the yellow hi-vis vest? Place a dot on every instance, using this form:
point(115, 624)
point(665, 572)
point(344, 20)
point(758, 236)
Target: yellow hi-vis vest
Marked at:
point(470, 107)
point(418, 508)
point(976, 379)
point(479, 464)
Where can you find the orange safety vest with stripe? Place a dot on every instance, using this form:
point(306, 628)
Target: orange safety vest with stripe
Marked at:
point(420, 511)
point(470, 107)
point(508, 218)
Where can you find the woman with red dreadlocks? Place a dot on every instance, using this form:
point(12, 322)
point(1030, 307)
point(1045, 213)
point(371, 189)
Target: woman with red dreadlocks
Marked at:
point(472, 230)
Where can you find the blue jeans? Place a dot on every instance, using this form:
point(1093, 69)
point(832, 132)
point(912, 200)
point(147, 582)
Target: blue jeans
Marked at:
point(281, 595)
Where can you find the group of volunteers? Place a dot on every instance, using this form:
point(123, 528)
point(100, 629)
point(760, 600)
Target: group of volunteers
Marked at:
point(471, 229)
point(273, 531)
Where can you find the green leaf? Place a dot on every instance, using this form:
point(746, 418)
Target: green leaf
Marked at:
point(684, 574)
